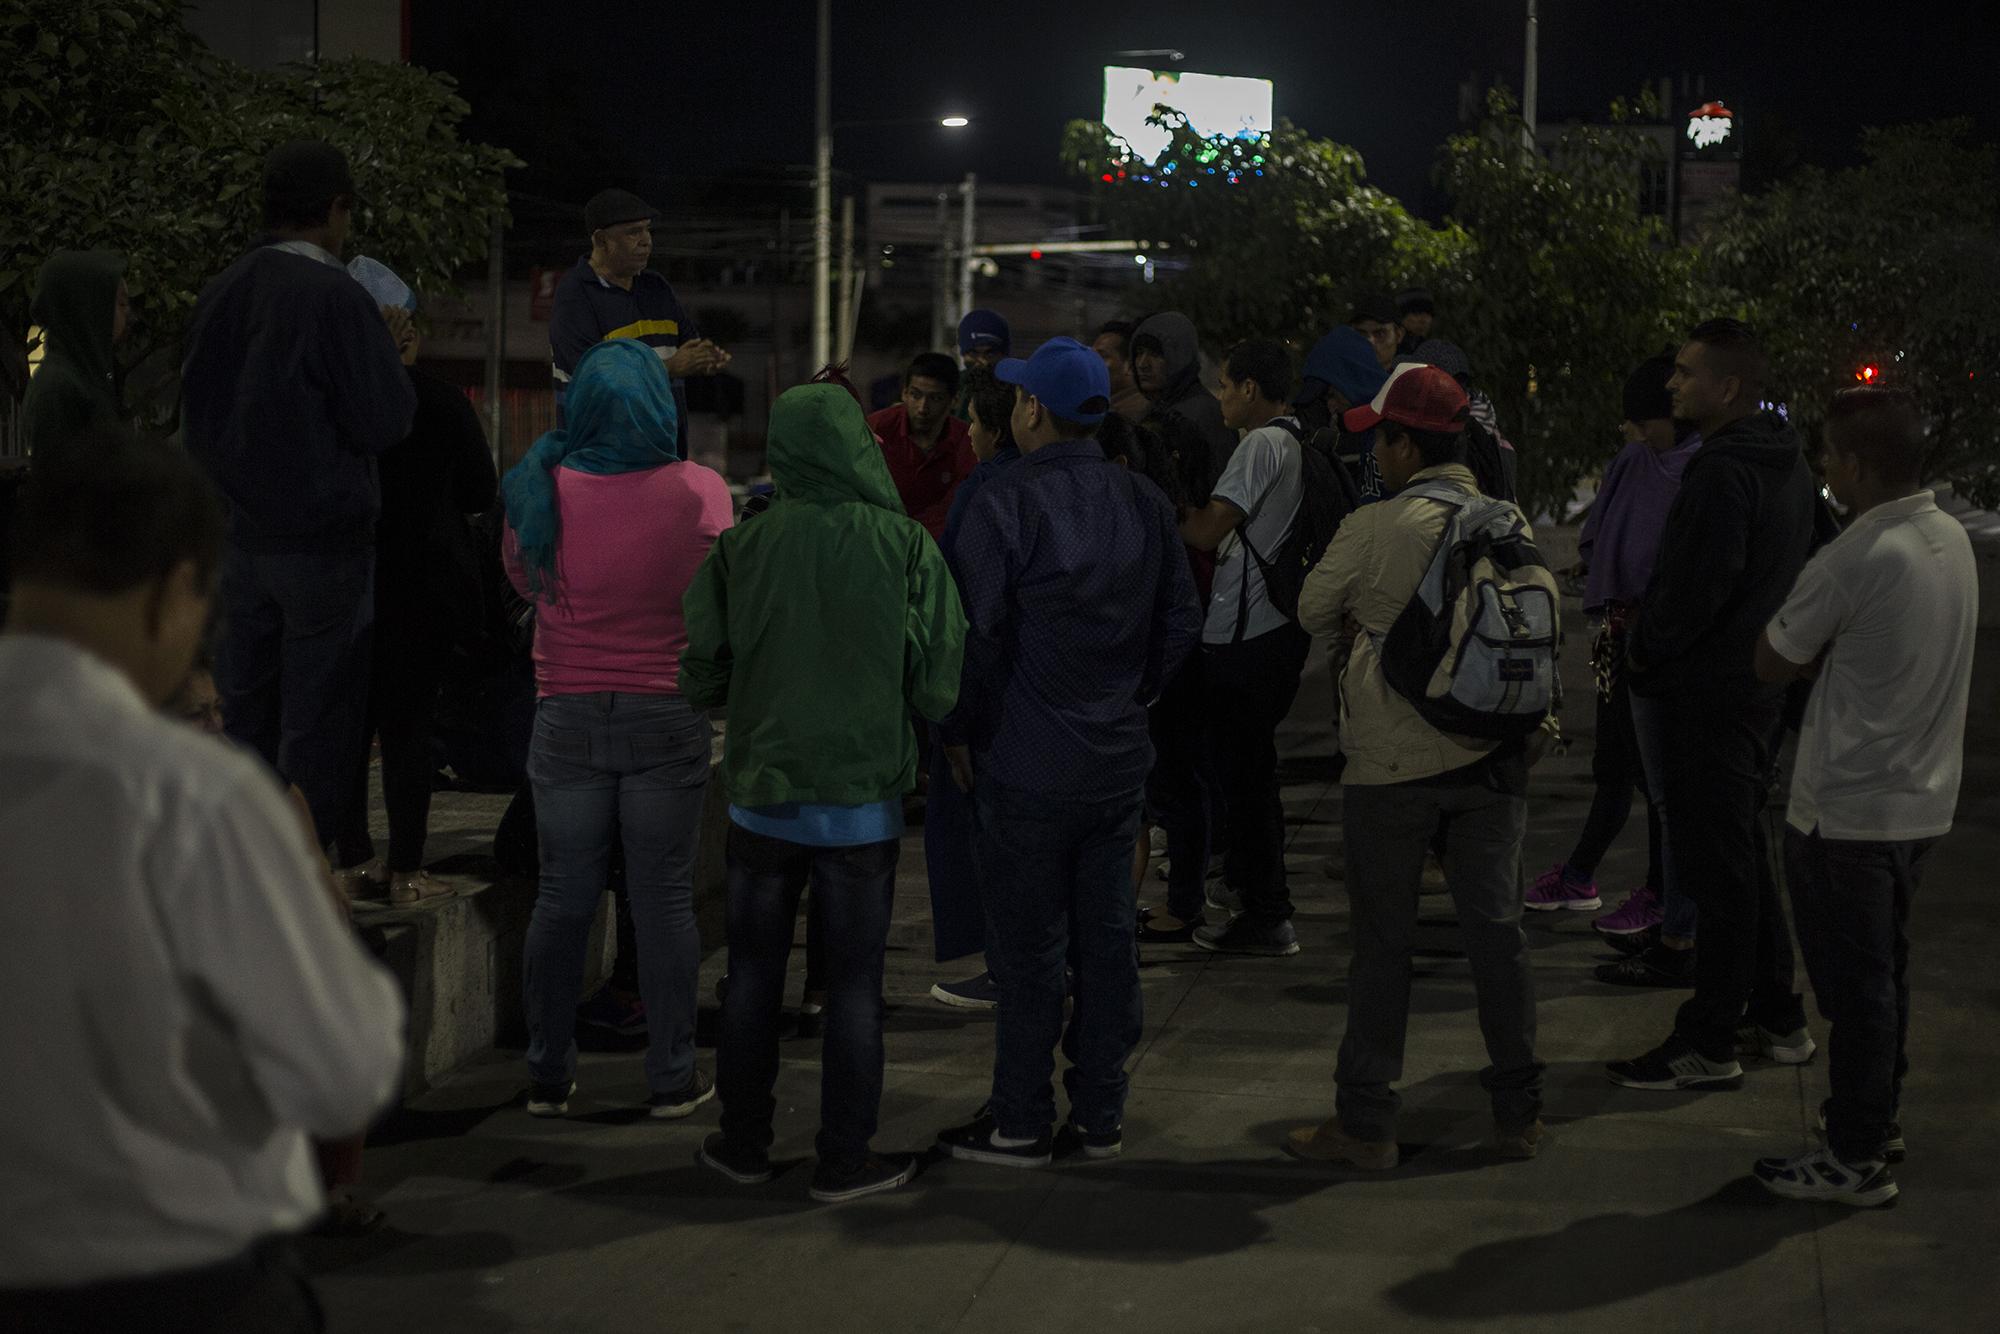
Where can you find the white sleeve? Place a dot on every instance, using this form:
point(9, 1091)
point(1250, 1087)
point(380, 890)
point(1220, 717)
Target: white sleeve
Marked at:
point(248, 920)
point(1812, 614)
point(1253, 470)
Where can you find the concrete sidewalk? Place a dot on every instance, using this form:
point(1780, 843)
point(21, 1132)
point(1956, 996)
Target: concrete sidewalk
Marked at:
point(1638, 1215)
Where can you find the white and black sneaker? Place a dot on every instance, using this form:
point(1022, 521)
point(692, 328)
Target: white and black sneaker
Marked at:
point(1794, 1048)
point(746, 1167)
point(673, 1106)
point(1894, 1150)
point(1073, 1141)
point(1818, 1175)
point(1272, 940)
point(550, 1099)
point(877, 1172)
point(978, 1142)
point(1675, 1065)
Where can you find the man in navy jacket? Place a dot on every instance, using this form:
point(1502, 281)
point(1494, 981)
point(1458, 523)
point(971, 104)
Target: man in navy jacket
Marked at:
point(293, 386)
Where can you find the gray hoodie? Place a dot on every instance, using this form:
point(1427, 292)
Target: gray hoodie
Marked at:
point(1185, 394)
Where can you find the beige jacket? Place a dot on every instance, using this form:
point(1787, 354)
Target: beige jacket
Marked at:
point(1370, 572)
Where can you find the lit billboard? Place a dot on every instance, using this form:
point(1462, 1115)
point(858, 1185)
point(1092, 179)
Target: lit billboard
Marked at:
point(1213, 103)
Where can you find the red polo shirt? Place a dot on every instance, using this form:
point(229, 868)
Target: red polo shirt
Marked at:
point(925, 479)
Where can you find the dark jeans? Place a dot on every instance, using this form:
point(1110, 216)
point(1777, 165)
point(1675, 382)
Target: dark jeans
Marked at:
point(262, 1291)
point(635, 767)
point(1718, 751)
point(1059, 888)
point(402, 705)
point(958, 920)
point(1853, 906)
point(291, 665)
point(1178, 791)
point(1616, 769)
point(1248, 688)
point(855, 888)
point(1649, 733)
point(1388, 830)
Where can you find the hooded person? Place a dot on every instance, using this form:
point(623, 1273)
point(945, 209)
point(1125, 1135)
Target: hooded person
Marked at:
point(1342, 372)
point(1166, 359)
point(1488, 453)
point(821, 626)
point(80, 304)
point(606, 527)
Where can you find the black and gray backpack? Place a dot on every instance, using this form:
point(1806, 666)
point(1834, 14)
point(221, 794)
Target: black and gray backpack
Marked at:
point(1475, 650)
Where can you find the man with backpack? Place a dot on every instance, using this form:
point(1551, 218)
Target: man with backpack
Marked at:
point(1252, 649)
point(1448, 677)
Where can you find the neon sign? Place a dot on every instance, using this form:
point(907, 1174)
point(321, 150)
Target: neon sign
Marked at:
point(1710, 124)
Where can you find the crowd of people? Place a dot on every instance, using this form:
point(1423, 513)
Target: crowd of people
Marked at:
point(1053, 602)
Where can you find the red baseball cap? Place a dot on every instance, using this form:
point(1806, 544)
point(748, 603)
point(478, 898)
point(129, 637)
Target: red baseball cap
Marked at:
point(1423, 398)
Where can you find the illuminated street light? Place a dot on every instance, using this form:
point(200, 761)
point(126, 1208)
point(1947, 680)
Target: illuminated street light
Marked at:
point(954, 122)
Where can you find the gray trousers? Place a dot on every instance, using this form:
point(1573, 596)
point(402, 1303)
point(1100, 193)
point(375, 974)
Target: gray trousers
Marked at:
point(1388, 830)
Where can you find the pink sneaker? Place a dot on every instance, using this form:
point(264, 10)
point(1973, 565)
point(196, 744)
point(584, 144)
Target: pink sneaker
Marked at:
point(1553, 889)
point(1640, 911)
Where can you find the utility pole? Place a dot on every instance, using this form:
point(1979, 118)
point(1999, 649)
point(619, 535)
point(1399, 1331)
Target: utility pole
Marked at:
point(496, 334)
point(942, 298)
point(967, 193)
point(1531, 76)
point(845, 321)
point(823, 194)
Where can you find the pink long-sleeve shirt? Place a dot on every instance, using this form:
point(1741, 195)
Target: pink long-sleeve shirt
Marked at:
point(627, 547)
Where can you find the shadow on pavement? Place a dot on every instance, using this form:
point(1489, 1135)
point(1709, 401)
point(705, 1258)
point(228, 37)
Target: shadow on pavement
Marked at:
point(1729, 1229)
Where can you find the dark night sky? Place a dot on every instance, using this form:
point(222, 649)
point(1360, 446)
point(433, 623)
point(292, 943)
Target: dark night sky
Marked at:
point(700, 91)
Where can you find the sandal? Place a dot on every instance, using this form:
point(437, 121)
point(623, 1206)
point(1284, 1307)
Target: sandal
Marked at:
point(407, 887)
point(366, 881)
point(1183, 934)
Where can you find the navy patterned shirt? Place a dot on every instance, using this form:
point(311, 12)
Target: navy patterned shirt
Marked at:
point(1079, 605)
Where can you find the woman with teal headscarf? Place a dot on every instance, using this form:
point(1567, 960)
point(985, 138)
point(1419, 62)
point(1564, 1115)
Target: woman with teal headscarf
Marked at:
point(606, 526)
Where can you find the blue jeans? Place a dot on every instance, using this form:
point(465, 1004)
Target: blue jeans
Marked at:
point(852, 889)
point(604, 763)
point(291, 666)
point(1649, 722)
point(1058, 886)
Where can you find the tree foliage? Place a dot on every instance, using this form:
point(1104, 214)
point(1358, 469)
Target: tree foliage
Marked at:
point(1543, 271)
point(121, 130)
point(1893, 264)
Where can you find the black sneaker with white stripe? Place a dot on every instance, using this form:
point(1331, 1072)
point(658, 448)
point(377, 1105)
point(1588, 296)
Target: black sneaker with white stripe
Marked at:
point(974, 1143)
point(1675, 1065)
point(876, 1173)
point(1073, 1141)
point(1818, 1175)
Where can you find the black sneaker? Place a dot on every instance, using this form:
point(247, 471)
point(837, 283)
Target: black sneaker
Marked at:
point(746, 1167)
point(1675, 1065)
point(550, 1099)
point(1656, 967)
point(1894, 1150)
point(1632, 942)
point(1242, 936)
point(1073, 1141)
point(877, 1172)
point(974, 1144)
point(673, 1106)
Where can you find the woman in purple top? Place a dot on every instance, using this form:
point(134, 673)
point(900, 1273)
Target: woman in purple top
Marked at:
point(1619, 542)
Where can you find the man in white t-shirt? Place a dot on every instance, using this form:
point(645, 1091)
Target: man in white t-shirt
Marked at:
point(1252, 653)
point(1884, 616)
point(175, 978)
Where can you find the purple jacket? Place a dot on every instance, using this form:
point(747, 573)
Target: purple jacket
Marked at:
point(1622, 535)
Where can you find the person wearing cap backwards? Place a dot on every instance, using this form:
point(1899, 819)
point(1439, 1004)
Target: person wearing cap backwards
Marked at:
point(1381, 323)
point(1416, 314)
point(612, 294)
point(293, 385)
point(1080, 605)
point(1404, 779)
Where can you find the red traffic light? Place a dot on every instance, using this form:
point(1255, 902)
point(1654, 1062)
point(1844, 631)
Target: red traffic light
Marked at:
point(1034, 254)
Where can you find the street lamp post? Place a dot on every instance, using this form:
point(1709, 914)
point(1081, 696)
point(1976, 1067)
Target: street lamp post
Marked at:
point(823, 192)
point(1531, 74)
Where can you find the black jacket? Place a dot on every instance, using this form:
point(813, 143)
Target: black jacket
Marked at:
point(293, 385)
point(1747, 516)
point(427, 564)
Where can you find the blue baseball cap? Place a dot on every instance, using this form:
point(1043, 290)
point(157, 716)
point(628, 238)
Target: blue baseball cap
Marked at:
point(1070, 380)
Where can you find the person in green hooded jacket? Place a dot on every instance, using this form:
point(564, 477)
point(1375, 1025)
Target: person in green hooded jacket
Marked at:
point(821, 626)
point(82, 308)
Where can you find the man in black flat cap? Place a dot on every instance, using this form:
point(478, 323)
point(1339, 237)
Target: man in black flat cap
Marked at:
point(612, 294)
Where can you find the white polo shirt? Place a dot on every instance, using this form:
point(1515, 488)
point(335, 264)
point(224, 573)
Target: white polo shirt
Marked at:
point(1895, 600)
